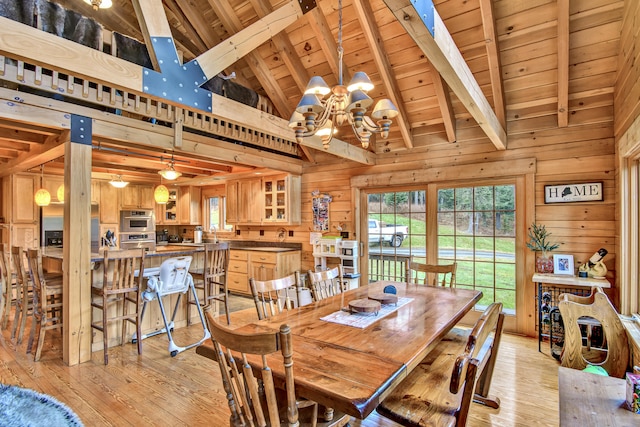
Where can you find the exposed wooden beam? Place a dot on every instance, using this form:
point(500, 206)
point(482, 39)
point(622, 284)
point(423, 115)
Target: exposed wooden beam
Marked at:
point(193, 23)
point(248, 39)
point(318, 22)
point(341, 149)
point(443, 54)
point(381, 59)
point(258, 66)
point(563, 63)
point(153, 23)
point(493, 57)
point(285, 48)
point(444, 101)
point(40, 154)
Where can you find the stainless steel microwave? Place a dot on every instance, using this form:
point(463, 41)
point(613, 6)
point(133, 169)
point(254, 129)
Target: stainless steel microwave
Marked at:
point(137, 221)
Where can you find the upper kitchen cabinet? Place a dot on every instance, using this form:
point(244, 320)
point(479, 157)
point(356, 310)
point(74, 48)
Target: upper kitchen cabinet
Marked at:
point(168, 213)
point(24, 209)
point(189, 210)
point(109, 210)
point(281, 196)
point(247, 195)
point(270, 200)
point(137, 197)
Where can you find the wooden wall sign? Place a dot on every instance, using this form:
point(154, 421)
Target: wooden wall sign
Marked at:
point(581, 192)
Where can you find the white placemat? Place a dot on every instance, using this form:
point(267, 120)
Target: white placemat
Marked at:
point(362, 320)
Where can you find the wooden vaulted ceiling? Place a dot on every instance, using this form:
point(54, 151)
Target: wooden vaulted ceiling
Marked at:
point(537, 60)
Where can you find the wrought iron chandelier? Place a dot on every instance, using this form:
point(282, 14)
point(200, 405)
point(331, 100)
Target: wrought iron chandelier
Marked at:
point(315, 115)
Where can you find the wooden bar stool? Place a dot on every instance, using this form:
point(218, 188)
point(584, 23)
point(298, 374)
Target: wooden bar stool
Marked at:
point(121, 286)
point(47, 295)
point(24, 295)
point(212, 279)
point(8, 282)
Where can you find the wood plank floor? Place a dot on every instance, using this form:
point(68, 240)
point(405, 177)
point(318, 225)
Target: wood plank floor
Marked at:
point(156, 389)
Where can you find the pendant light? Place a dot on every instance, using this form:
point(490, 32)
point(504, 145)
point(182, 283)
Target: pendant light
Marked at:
point(170, 173)
point(99, 4)
point(161, 194)
point(42, 197)
point(60, 193)
point(118, 182)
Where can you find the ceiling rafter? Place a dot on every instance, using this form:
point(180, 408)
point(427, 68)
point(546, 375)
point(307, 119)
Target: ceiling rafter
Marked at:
point(232, 24)
point(283, 44)
point(193, 24)
point(444, 55)
point(444, 101)
point(325, 38)
point(563, 63)
point(493, 57)
point(380, 57)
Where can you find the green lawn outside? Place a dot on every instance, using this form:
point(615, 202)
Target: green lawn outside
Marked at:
point(496, 279)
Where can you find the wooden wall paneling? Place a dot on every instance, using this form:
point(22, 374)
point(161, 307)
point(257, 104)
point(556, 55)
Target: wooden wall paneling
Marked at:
point(627, 89)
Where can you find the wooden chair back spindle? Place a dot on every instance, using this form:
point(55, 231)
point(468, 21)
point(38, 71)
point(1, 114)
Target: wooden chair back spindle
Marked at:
point(325, 284)
point(273, 296)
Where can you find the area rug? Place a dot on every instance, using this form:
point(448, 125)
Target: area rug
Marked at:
point(27, 408)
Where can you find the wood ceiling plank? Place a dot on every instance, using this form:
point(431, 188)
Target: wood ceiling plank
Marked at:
point(324, 37)
point(446, 58)
point(372, 34)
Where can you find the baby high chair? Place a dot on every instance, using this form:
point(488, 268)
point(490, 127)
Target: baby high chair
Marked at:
point(172, 277)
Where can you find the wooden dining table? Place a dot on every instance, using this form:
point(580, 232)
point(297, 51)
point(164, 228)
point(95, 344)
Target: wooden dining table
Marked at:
point(352, 369)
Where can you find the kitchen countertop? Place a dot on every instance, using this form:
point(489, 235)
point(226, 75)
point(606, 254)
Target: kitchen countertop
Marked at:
point(172, 249)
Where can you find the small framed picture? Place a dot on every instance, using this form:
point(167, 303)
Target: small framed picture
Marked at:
point(563, 264)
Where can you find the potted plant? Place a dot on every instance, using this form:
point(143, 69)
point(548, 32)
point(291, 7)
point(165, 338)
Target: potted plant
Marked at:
point(539, 242)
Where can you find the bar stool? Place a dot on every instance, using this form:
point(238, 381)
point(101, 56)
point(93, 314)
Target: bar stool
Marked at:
point(47, 295)
point(8, 282)
point(121, 286)
point(212, 279)
point(24, 295)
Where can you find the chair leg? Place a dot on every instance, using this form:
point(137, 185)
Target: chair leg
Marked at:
point(42, 329)
point(34, 324)
point(16, 319)
point(105, 328)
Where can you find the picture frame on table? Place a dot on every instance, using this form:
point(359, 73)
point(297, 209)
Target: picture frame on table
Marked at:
point(563, 264)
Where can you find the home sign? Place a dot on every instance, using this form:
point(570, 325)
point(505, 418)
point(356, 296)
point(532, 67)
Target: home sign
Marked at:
point(581, 192)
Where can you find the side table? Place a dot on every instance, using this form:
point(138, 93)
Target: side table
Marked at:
point(563, 283)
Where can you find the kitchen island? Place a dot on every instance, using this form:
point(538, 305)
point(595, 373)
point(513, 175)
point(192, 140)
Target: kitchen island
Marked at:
point(262, 260)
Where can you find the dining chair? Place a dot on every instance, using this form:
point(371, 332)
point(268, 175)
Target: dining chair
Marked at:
point(325, 284)
point(274, 296)
point(47, 296)
point(24, 295)
point(443, 275)
point(439, 391)
point(120, 286)
point(212, 278)
point(253, 396)
point(9, 290)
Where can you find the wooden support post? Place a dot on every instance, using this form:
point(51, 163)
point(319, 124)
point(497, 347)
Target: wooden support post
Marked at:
point(76, 263)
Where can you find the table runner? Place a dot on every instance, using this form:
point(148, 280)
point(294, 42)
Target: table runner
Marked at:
point(363, 320)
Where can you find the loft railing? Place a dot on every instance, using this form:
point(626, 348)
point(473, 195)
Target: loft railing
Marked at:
point(87, 92)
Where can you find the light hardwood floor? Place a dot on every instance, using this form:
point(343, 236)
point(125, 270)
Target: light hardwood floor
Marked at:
point(156, 389)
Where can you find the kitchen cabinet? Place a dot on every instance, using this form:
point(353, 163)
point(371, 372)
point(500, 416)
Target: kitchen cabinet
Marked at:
point(108, 205)
point(244, 201)
point(189, 211)
point(270, 200)
point(281, 196)
point(136, 197)
point(237, 275)
point(168, 213)
point(261, 265)
point(24, 209)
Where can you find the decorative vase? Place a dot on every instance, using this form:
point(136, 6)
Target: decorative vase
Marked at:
point(544, 264)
